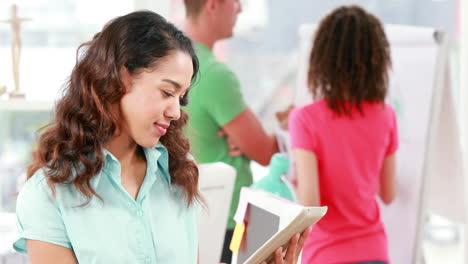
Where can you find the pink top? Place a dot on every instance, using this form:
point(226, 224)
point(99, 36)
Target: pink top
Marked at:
point(350, 153)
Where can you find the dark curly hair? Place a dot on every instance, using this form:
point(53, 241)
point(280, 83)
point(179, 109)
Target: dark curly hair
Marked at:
point(72, 143)
point(350, 60)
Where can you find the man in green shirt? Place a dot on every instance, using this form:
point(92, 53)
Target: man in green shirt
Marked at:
point(216, 103)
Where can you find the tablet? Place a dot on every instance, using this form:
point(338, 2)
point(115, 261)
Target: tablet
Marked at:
point(269, 223)
point(307, 217)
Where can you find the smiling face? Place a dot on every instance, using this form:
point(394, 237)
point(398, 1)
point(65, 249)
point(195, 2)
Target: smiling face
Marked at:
point(153, 99)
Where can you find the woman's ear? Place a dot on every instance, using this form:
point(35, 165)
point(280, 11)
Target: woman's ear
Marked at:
point(126, 78)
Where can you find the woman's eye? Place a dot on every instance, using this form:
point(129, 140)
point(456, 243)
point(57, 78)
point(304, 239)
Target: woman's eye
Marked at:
point(168, 94)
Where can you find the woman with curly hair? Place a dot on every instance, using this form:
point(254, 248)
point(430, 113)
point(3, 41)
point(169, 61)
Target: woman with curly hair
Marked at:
point(344, 143)
point(112, 181)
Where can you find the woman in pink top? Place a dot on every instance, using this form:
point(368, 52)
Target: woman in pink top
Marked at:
point(344, 143)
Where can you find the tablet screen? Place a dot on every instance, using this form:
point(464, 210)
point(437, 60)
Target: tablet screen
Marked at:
point(261, 226)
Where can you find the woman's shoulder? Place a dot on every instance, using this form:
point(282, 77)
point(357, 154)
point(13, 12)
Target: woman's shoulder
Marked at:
point(36, 195)
point(311, 110)
point(389, 108)
point(39, 191)
point(388, 111)
point(36, 185)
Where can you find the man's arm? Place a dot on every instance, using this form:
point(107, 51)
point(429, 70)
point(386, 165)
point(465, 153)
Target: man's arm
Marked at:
point(246, 132)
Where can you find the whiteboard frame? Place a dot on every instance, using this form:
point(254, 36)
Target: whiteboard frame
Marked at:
point(432, 130)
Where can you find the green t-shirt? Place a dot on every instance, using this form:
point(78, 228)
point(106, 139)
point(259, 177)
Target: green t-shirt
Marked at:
point(214, 101)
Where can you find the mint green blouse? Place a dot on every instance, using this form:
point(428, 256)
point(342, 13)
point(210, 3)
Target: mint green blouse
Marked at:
point(157, 227)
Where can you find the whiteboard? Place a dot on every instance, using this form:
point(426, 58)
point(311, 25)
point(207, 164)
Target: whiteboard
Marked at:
point(417, 76)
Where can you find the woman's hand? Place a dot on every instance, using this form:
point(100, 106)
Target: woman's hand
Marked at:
point(294, 250)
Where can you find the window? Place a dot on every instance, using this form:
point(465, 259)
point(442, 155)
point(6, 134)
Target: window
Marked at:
point(50, 39)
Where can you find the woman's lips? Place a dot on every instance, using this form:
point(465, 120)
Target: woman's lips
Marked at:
point(162, 128)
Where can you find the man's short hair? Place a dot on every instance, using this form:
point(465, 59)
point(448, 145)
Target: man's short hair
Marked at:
point(193, 7)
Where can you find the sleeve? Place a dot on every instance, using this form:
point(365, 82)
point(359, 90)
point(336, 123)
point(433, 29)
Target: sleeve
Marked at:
point(223, 97)
point(393, 142)
point(301, 132)
point(38, 216)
